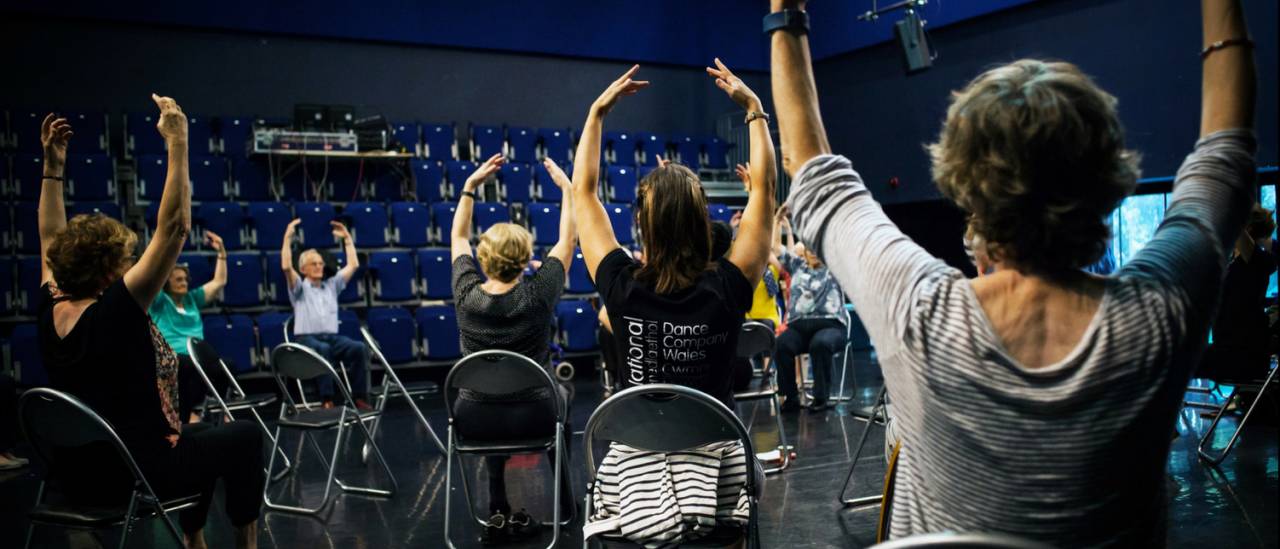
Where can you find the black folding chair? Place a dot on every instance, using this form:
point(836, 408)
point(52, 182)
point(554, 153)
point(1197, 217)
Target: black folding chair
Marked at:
point(287, 327)
point(1205, 449)
point(757, 340)
point(500, 372)
point(391, 386)
point(877, 410)
point(56, 422)
point(206, 359)
point(670, 418)
point(949, 540)
point(299, 363)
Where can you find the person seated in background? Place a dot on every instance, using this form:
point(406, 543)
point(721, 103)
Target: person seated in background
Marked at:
point(689, 305)
point(1036, 401)
point(764, 302)
point(816, 320)
point(498, 309)
point(176, 312)
point(1241, 340)
point(315, 312)
point(99, 344)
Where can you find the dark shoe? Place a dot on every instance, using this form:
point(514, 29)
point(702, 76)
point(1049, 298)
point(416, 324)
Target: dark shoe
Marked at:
point(495, 530)
point(818, 406)
point(363, 406)
point(791, 405)
point(328, 403)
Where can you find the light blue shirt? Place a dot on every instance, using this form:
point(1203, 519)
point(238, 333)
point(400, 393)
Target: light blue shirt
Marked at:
point(315, 308)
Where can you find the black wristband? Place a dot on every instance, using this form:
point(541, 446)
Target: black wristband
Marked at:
point(472, 194)
point(53, 177)
point(792, 20)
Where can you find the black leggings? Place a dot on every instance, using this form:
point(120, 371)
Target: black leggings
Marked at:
point(822, 339)
point(191, 389)
point(8, 413)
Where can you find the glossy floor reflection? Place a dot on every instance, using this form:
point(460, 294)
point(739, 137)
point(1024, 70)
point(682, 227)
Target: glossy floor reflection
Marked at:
point(1230, 506)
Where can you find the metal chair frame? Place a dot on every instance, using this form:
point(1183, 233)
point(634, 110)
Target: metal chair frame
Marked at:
point(953, 540)
point(349, 415)
point(391, 384)
point(712, 406)
point(143, 495)
point(302, 393)
point(453, 451)
point(1205, 448)
point(769, 384)
point(877, 409)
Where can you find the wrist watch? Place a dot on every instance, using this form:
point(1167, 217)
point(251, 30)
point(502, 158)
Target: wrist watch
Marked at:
point(791, 20)
point(752, 115)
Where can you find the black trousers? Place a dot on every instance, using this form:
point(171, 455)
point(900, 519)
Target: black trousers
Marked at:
point(8, 413)
point(191, 389)
point(822, 339)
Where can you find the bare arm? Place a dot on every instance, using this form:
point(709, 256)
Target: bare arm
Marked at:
point(795, 96)
point(348, 271)
point(563, 250)
point(51, 215)
point(594, 230)
point(750, 251)
point(286, 255)
point(460, 234)
point(213, 288)
point(173, 222)
point(1228, 81)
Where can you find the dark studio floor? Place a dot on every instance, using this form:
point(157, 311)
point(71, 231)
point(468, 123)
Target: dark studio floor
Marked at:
point(1230, 506)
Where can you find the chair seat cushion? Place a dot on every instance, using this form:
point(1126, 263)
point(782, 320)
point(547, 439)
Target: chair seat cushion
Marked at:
point(512, 446)
point(71, 515)
point(322, 419)
point(251, 401)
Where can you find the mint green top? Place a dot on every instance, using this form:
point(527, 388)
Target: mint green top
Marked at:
point(175, 325)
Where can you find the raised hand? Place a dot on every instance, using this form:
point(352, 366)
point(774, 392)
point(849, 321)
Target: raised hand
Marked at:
point(212, 240)
point(339, 230)
point(624, 85)
point(663, 162)
point(734, 87)
point(172, 124)
point(557, 174)
point(484, 172)
point(736, 219)
point(54, 134)
point(745, 175)
point(779, 5)
point(292, 228)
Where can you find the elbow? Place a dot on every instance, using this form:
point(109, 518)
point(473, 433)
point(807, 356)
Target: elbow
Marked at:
point(175, 231)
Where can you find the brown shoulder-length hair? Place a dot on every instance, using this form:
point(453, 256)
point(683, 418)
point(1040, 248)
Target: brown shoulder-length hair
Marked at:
point(1034, 152)
point(86, 256)
point(675, 228)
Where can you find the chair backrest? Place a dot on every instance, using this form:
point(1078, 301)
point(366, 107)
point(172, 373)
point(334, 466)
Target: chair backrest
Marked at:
point(295, 361)
point(497, 372)
point(952, 540)
point(53, 420)
point(665, 418)
point(756, 339)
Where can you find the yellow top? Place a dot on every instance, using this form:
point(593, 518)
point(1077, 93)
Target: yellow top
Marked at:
point(764, 306)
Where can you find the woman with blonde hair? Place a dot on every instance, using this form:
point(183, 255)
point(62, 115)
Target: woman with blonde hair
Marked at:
point(498, 309)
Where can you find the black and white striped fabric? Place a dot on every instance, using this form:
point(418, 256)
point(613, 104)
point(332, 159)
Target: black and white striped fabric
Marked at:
point(663, 500)
point(1072, 453)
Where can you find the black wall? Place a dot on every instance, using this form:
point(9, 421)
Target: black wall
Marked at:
point(1142, 51)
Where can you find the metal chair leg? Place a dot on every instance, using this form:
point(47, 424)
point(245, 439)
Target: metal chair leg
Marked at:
point(128, 521)
point(876, 410)
point(783, 448)
point(1206, 441)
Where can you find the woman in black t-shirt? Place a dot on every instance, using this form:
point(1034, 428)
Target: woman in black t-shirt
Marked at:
point(500, 311)
point(99, 344)
point(676, 318)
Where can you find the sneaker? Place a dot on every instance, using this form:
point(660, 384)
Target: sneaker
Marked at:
point(791, 405)
point(495, 530)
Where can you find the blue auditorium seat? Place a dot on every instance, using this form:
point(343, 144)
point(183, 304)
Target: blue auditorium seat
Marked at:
point(389, 186)
point(522, 145)
point(349, 324)
point(315, 229)
point(393, 276)
point(488, 214)
point(244, 280)
point(438, 329)
point(27, 362)
point(428, 181)
point(7, 238)
point(26, 229)
point(24, 184)
point(109, 209)
point(141, 136)
point(578, 324)
point(557, 144)
point(343, 184)
point(486, 141)
point(369, 224)
point(442, 221)
point(25, 129)
point(688, 151)
point(579, 281)
point(226, 219)
point(620, 148)
point(717, 153)
point(268, 221)
point(235, 134)
point(209, 177)
point(91, 177)
point(517, 182)
point(411, 224)
point(435, 273)
point(456, 172)
point(623, 221)
point(409, 135)
point(5, 161)
point(232, 337)
point(544, 223)
point(651, 147)
point(276, 290)
point(271, 331)
point(151, 172)
point(251, 180)
point(644, 171)
point(354, 293)
point(622, 183)
point(439, 141)
point(548, 191)
point(200, 135)
point(395, 332)
point(8, 285)
point(719, 212)
point(199, 267)
point(28, 284)
point(90, 131)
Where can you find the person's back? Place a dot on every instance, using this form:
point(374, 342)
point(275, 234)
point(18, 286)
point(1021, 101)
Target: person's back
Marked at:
point(519, 320)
